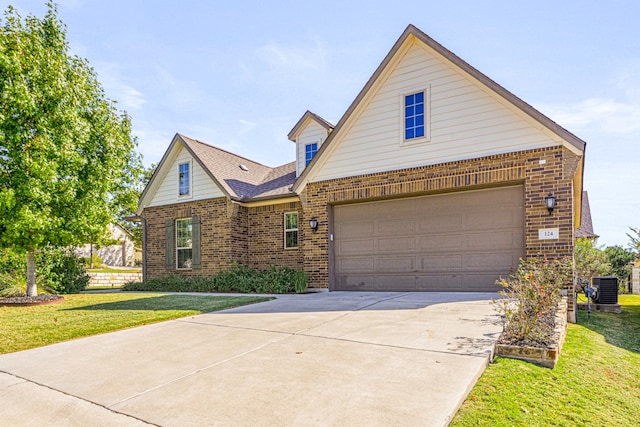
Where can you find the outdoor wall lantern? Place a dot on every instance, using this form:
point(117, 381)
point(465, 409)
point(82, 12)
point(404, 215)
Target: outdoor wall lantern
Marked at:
point(550, 201)
point(313, 223)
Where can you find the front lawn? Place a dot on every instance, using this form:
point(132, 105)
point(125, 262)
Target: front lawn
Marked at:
point(595, 383)
point(82, 315)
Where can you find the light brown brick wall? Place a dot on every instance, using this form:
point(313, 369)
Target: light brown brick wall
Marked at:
point(266, 236)
point(554, 176)
point(222, 241)
point(230, 233)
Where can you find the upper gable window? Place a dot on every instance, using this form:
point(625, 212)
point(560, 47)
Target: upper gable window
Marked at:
point(184, 179)
point(310, 150)
point(414, 115)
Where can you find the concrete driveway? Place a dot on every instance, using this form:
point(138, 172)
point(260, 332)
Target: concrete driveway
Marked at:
point(329, 358)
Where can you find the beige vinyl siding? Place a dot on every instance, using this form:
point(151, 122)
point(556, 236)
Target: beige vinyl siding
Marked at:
point(466, 121)
point(312, 133)
point(202, 186)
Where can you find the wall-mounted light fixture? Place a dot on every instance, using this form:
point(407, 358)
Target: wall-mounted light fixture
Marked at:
point(313, 223)
point(550, 201)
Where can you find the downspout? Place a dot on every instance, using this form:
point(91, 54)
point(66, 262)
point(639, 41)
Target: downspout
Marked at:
point(143, 220)
point(144, 248)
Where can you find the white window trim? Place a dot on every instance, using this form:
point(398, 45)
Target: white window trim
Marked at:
point(190, 195)
point(427, 116)
point(297, 229)
point(175, 226)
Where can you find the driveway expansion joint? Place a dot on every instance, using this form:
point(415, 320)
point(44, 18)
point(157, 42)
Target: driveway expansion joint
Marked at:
point(30, 381)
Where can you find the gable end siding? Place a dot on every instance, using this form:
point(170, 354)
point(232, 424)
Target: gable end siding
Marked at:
point(466, 122)
point(202, 186)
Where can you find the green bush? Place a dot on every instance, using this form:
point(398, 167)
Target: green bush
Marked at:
point(12, 285)
point(57, 271)
point(61, 271)
point(530, 297)
point(238, 278)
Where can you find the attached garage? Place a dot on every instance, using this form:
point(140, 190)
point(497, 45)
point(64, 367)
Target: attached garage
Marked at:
point(460, 241)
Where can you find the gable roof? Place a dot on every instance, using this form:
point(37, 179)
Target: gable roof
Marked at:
point(585, 230)
point(239, 178)
point(308, 115)
point(412, 32)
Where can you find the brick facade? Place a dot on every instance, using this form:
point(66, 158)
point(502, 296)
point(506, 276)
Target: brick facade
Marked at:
point(543, 171)
point(253, 236)
point(229, 233)
point(266, 237)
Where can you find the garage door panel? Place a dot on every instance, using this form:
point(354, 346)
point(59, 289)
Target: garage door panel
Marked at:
point(440, 283)
point(443, 223)
point(356, 247)
point(480, 283)
point(396, 264)
point(488, 261)
point(396, 226)
point(356, 229)
point(438, 243)
point(448, 203)
point(444, 263)
point(491, 239)
point(357, 265)
point(487, 219)
point(406, 244)
point(453, 242)
point(397, 209)
point(397, 282)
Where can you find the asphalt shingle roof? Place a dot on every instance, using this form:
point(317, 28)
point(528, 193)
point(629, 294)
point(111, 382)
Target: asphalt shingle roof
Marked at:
point(241, 178)
point(586, 225)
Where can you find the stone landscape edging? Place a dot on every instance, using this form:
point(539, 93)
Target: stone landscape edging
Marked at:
point(547, 357)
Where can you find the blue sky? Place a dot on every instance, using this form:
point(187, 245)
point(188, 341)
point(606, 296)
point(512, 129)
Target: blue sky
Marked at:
point(239, 74)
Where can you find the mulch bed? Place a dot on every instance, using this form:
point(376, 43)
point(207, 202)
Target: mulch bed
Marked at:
point(29, 301)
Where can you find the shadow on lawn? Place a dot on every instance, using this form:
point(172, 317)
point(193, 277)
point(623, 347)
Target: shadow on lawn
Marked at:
point(203, 304)
point(621, 330)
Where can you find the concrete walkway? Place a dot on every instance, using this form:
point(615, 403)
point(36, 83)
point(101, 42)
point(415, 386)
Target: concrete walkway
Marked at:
point(324, 359)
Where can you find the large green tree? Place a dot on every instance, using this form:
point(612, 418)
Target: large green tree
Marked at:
point(68, 161)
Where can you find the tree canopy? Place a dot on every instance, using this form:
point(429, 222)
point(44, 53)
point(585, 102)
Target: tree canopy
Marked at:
point(68, 161)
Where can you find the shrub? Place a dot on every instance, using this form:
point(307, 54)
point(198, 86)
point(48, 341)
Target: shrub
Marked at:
point(12, 285)
point(238, 278)
point(57, 271)
point(530, 296)
point(61, 271)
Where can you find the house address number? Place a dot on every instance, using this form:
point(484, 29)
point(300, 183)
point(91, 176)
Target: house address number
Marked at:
point(549, 234)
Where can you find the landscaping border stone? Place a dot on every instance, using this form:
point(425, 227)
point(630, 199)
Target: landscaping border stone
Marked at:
point(547, 357)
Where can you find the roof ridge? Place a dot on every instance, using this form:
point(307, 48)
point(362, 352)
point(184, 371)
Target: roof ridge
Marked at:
point(225, 151)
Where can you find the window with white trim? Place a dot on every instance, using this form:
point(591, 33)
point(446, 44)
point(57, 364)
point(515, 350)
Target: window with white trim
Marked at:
point(184, 179)
point(310, 150)
point(414, 113)
point(291, 230)
point(184, 243)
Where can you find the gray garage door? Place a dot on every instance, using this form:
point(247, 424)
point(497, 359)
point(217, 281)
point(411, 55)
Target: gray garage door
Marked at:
point(452, 242)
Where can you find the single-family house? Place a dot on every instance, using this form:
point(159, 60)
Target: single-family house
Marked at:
point(120, 252)
point(436, 178)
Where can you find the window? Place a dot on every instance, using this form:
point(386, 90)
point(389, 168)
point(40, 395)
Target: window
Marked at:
point(291, 230)
point(310, 150)
point(184, 243)
point(414, 115)
point(184, 179)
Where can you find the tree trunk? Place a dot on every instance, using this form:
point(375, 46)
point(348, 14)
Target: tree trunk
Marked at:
point(32, 290)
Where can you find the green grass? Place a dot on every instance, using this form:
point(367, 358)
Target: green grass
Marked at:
point(595, 383)
point(82, 315)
